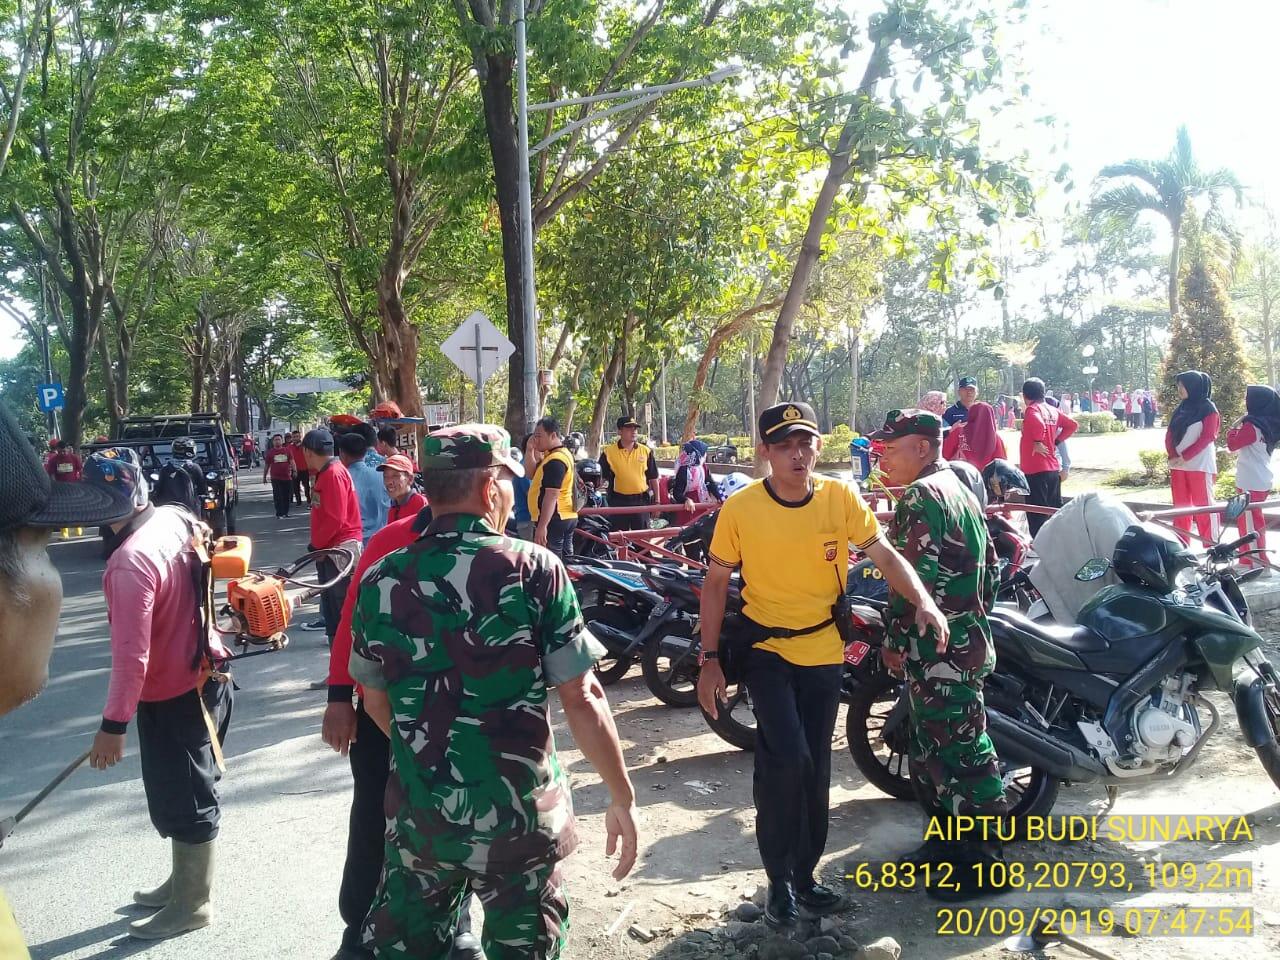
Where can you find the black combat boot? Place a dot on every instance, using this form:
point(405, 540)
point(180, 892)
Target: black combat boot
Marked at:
point(971, 875)
point(817, 897)
point(781, 911)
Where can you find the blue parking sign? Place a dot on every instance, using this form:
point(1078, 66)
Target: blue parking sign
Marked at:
point(49, 397)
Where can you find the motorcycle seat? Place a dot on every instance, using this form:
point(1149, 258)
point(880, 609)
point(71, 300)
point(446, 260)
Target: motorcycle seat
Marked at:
point(1079, 640)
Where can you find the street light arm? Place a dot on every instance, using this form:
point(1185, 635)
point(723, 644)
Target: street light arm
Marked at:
point(642, 93)
point(592, 118)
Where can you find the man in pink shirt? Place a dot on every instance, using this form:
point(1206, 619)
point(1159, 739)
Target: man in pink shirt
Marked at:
point(161, 651)
point(1043, 428)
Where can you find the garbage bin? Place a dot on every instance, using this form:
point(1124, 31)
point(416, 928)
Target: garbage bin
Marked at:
point(860, 457)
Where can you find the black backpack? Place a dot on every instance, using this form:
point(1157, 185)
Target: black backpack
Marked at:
point(175, 486)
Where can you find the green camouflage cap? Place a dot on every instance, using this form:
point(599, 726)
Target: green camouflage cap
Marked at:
point(909, 423)
point(469, 446)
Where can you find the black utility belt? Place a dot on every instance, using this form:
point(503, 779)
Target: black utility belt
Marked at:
point(751, 628)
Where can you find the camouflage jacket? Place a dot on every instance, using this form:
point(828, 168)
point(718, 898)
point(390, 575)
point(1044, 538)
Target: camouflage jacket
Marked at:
point(940, 530)
point(466, 630)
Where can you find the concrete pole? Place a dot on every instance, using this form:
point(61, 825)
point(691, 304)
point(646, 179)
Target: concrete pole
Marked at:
point(529, 344)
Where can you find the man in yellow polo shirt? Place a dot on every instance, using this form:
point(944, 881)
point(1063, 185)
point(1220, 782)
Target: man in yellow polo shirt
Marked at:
point(551, 491)
point(789, 535)
point(631, 472)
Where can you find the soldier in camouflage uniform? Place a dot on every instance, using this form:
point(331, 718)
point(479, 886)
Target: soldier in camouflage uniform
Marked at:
point(458, 640)
point(939, 527)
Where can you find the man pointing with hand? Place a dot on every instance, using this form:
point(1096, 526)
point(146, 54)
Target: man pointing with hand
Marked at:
point(790, 536)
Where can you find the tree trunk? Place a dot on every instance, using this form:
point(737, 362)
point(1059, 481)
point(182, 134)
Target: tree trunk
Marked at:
point(572, 406)
point(811, 247)
point(500, 124)
point(855, 374)
point(400, 346)
point(1175, 259)
point(722, 334)
point(612, 370)
point(224, 390)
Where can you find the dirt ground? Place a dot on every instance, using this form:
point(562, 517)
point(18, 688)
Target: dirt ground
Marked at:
point(699, 860)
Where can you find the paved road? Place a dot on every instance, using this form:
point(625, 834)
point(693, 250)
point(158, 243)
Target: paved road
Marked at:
point(71, 868)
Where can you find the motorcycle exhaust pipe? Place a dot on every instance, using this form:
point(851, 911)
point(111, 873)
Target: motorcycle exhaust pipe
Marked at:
point(1022, 744)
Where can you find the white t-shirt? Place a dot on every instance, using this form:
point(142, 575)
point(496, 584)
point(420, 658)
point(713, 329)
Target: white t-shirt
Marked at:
point(1206, 461)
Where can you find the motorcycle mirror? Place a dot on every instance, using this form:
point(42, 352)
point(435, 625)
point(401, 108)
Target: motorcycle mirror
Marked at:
point(1094, 569)
point(1235, 507)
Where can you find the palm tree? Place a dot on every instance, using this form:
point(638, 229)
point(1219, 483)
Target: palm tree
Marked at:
point(1167, 187)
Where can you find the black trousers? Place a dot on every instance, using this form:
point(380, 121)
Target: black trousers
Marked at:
point(331, 600)
point(560, 536)
point(179, 773)
point(629, 521)
point(370, 758)
point(280, 494)
point(1046, 491)
point(795, 711)
point(302, 488)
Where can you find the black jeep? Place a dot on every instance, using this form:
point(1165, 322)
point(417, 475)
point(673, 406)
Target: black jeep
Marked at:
point(152, 438)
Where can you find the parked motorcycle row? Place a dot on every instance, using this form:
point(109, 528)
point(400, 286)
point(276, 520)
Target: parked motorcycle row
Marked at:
point(1115, 699)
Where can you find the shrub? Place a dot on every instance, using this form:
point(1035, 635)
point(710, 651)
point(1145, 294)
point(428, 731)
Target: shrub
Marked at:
point(1098, 423)
point(1155, 465)
point(840, 436)
point(1225, 486)
point(1127, 478)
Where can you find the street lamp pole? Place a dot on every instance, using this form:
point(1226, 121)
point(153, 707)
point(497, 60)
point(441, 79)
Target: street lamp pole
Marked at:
point(529, 343)
point(633, 98)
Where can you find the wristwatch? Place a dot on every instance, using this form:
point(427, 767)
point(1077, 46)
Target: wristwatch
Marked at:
point(706, 655)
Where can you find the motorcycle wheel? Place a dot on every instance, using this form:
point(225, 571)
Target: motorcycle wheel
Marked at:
point(671, 673)
point(1269, 753)
point(884, 764)
point(612, 667)
point(736, 723)
point(1029, 790)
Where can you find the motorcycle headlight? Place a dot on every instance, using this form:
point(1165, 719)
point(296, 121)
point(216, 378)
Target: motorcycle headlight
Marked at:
point(211, 475)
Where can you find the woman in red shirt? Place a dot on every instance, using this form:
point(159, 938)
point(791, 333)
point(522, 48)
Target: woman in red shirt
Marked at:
point(1189, 442)
point(975, 440)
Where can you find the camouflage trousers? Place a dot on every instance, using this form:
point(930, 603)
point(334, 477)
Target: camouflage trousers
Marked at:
point(952, 759)
point(526, 915)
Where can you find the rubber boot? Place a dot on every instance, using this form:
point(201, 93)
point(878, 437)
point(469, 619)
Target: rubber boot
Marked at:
point(158, 897)
point(188, 907)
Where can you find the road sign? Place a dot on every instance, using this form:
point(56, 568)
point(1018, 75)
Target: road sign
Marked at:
point(49, 397)
point(479, 349)
point(311, 385)
point(1088, 371)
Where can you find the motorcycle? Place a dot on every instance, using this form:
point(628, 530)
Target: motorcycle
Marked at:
point(616, 603)
point(1117, 699)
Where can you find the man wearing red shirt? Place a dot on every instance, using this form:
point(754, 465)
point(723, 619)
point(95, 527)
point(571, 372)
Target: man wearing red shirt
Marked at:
point(397, 476)
point(1043, 427)
point(335, 520)
point(64, 466)
point(282, 471)
point(301, 479)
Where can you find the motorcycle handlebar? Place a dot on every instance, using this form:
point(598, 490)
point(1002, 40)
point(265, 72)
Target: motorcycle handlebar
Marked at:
point(1224, 550)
